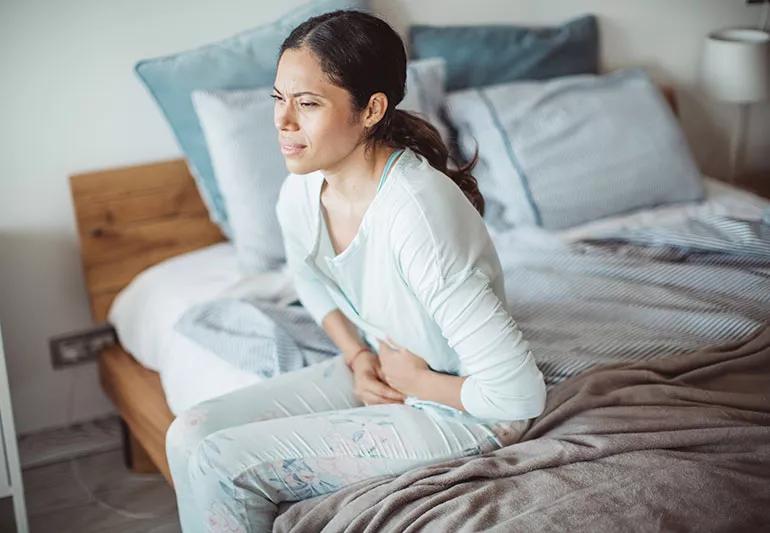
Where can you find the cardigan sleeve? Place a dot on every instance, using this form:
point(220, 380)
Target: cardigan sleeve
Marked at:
point(310, 290)
point(447, 278)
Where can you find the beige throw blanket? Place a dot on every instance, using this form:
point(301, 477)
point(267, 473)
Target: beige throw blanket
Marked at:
point(673, 444)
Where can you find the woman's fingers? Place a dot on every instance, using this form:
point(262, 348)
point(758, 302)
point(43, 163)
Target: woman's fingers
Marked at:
point(381, 389)
point(384, 381)
point(395, 393)
point(372, 387)
point(377, 400)
point(380, 373)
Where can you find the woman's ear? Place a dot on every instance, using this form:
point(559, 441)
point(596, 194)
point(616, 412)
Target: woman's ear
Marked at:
point(375, 110)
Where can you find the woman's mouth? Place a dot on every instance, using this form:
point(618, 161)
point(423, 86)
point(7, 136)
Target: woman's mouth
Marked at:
point(292, 149)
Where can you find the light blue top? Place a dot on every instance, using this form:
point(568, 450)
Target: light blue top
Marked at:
point(422, 270)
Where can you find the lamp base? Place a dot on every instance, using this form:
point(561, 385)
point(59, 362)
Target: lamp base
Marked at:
point(737, 144)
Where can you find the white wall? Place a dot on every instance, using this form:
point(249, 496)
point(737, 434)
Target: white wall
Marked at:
point(69, 102)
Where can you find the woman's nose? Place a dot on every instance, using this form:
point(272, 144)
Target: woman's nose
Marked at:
point(284, 118)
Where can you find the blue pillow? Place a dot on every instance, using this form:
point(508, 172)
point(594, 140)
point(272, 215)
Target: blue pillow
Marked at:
point(488, 54)
point(245, 60)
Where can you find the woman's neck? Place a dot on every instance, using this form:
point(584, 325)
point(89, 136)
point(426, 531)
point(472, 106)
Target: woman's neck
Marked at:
point(354, 179)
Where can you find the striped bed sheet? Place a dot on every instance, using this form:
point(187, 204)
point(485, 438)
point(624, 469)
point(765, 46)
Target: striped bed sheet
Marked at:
point(639, 294)
point(627, 295)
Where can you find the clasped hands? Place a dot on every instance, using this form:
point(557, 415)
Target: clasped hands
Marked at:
point(389, 376)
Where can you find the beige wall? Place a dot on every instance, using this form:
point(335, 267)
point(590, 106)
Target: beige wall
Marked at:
point(70, 102)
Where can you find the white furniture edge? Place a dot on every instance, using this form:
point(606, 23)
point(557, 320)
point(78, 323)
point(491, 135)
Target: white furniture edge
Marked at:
point(11, 447)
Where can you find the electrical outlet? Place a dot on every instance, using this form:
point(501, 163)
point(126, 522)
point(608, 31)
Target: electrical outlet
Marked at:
point(81, 346)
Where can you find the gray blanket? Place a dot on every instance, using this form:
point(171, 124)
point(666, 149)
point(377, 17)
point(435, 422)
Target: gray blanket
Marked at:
point(671, 444)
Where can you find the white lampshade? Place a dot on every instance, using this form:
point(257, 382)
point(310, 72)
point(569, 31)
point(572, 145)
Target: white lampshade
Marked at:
point(735, 65)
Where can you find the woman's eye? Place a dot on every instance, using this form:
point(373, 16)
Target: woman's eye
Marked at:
point(278, 98)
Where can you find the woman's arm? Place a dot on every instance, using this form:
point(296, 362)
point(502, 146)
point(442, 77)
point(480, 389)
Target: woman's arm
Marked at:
point(442, 388)
point(344, 333)
point(503, 380)
point(409, 373)
point(295, 231)
point(447, 276)
point(369, 385)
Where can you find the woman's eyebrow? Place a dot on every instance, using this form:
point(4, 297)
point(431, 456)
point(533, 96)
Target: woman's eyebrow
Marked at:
point(300, 93)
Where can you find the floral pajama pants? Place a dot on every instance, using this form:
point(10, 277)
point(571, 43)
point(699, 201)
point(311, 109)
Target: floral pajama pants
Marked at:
point(301, 434)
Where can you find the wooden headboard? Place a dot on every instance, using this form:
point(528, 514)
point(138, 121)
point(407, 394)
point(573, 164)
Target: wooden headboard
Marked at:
point(133, 217)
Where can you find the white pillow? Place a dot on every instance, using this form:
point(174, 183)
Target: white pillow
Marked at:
point(145, 311)
point(568, 150)
point(425, 91)
point(249, 167)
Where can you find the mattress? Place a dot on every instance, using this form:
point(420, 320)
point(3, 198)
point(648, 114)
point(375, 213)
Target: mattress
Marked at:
point(145, 311)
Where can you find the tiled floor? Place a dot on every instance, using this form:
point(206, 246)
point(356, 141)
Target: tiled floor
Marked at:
point(97, 493)
point(88, 488)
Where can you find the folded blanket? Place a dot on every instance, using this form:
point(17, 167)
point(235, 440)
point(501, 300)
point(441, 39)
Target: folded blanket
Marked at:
point(256, 335)
point(707, 233)
point(672, 444)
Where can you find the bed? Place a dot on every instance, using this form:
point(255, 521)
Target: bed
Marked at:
point(129, 219)
point(146, 238)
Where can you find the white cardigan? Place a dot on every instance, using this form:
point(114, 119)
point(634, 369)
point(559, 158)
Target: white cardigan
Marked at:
point(423, 270)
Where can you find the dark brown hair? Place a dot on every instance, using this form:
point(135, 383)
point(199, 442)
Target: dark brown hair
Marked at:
point(362, 54)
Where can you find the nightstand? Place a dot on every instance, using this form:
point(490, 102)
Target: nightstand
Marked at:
point(10, 468)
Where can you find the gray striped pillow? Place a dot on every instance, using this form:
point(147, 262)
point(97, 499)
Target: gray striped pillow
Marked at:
point(568, 150)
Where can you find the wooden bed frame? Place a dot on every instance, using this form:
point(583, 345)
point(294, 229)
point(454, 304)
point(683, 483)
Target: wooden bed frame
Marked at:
point(129, 219)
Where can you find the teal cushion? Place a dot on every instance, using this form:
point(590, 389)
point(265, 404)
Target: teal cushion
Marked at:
point(489, 54)
point(245, 60)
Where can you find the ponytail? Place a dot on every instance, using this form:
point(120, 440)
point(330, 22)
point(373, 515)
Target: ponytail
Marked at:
point(400, 128)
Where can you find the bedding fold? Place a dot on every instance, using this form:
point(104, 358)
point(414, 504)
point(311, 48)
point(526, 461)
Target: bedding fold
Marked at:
point(257, 335)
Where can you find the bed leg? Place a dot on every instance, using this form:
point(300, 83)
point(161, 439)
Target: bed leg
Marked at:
point(134, 456)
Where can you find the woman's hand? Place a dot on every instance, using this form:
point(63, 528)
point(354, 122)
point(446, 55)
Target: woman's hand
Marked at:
point(369, 384)
point(401, 368)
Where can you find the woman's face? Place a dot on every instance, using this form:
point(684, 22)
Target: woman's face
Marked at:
point(317, 126)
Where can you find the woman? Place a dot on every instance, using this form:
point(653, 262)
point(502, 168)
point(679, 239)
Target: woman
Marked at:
point(382, 239)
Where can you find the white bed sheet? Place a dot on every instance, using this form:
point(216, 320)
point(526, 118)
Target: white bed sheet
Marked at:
point(145, 312)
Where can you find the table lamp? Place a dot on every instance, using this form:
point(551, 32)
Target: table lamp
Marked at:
point(734, 68)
